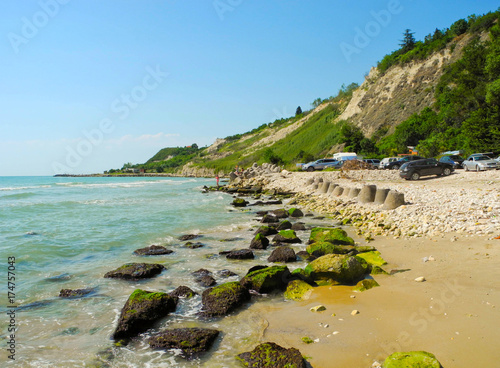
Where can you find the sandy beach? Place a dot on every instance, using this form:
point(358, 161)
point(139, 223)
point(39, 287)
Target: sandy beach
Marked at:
point(452, 314)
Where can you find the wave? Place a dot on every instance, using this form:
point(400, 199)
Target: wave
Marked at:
point(18, 195)
point(7, 189)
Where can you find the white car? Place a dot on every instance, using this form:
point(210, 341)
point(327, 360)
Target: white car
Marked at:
point(386, 161)
point(479, 162)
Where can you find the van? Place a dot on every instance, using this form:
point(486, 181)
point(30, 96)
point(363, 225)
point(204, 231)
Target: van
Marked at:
point(373, 161)
point(386, 161)
point(345, 156)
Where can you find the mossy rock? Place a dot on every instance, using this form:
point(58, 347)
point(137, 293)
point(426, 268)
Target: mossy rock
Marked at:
point(412, 359)
point(191, 341)
point(365, 248)
point(239, 202)
point(152, 250)
point(298, 290)
point(267, 279)
point(281, 213)
point(271, 355)
point(337, 267)
point(223, 299)
point(142, 309)
point(376, 270)
point(331, 235)
point(300, 274)
point(135, 271)
point(259, 242)
point(373, 258)
point(295, 212)
point(365, 284)
point(322, 248)
point(286, 236)
point(266, 230)
point(183, 292)
point(284, 225)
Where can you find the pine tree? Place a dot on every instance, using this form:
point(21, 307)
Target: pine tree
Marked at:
point(408, 42)
point(298, 111)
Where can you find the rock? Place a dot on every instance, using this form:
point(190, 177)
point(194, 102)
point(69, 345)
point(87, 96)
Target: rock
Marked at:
point(259, 242)
point(299, 226)
point(321, 248)
point(332, 235)
point(283, 254)
point(337, 267)
point(267, 279)
point(240, 254)
point(191, 245)
point(284, 225)
point(376, 270)
point(318, 308)
point(367, 194)
point(266, 230)
point(269, 219)
point(191, 341)
point(206, 280)
point(239, 202)
point(226, 273)
point(300, 274)
point(305, 256)
point(298, 290)
point(153, 250)
point(271, 355)
point(380, 196)
point(75, 293)
point(354, 312)
point(365, 284)
point(394, 200)
point(295, 212)
point(281, 213)
point(420, 279)
point(420, 359)
point(183, 292)
point(373, 258)
point(223, 299)
point(142, 309)
point(286, 236)
point(201, 272)
point(189, 237)
point(135, 271)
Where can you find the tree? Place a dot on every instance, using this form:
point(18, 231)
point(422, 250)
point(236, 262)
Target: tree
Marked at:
point(408, 41)
point(298, 111)
point(459, 27)
point(316, 102)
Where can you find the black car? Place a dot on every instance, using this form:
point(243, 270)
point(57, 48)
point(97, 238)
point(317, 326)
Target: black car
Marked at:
point(430, 166)
point(397, 164)
point(454, 160)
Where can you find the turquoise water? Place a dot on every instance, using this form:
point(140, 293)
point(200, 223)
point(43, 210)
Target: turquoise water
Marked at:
point(68, 232)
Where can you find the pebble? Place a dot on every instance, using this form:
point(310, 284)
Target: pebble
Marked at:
point(318, 308)
point(354, 312)
point(420, 279)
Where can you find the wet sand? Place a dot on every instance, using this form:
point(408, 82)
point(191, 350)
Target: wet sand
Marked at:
point(454, 314)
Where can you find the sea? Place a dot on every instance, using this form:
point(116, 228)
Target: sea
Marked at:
point(67, 232)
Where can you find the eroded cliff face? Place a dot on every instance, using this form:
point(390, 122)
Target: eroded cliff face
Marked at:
point(389, 99)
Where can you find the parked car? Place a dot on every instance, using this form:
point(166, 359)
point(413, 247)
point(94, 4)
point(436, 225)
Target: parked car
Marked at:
point(395, 165)
point(385, 161)
point(373, 161)
point(479, 162)
point(413, 170)
point(454, 160)
point(321, 164)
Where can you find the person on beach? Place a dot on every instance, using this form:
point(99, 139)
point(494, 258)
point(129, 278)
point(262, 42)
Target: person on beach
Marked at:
point(217, 179)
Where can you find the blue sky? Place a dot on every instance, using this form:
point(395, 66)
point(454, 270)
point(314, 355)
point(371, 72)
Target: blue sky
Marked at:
point(87, 85)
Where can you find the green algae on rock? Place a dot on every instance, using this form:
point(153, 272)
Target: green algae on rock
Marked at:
point(365, 284)
point(295, 212)
point(286, 236)
point(412, 359)
point(337, 267)
point(267, 279)
point(323, 247)
point(373, 258)
point(135, 271)
point(191, 341)
point(141, 310)
point(271, 355)
point(298, 290)
point(259, 242)
point(223, 299)
point(330, 234)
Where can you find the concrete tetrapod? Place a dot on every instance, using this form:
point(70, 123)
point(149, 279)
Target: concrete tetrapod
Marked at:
point(381, 195)
point(394, 200)
point(354, 192)
point(324, 187)
point(337, 191)
point(367, 194)
point(332, 187)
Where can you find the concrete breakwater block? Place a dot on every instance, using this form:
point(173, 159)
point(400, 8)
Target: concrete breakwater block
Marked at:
point(332, 187)
point(381, 195)
point(324, 187)
point(346, 192)
point(354, 192)
point(367, 194)
point(309, 181)
point(394, 200)
point(337, 191)
point(315, 186)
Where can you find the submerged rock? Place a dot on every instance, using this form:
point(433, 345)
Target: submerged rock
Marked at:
point(266, 230)
point(223, 299)
point(286, 236)
point(295, 212)
point(259, 242)
point(284, 225)
point(192, 245)
point(299, 226)
point(281, 213)
point(271, 355)
point(240, 254)
point(153, 250)
point(337, 267)
point(142, 309)
point(135, 271)
point(226, 273)
point(191, 341)
point(239, 202)
point(189, 237)
point(421, 359)
point(331, 235)
point(183, 292)
point(265, 280)
point(283, 254)
point(206, 280)
point(75, 293)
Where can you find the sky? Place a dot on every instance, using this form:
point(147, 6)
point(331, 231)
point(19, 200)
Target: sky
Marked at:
point(88, 85)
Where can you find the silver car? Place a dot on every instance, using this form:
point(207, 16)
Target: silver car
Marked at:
point(322, 164)
point(479, 162)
